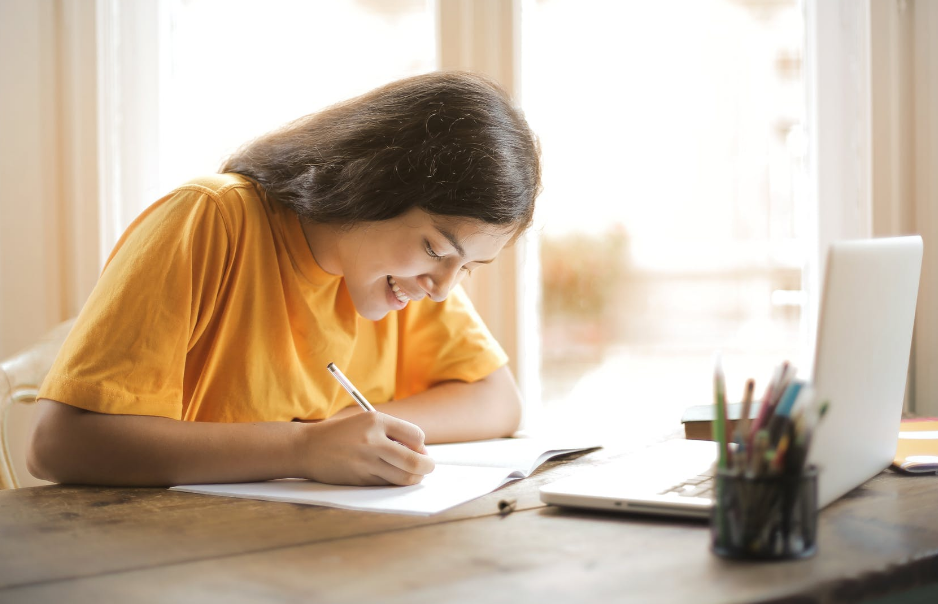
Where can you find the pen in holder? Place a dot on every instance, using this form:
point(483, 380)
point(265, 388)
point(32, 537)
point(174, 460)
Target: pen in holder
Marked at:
point(765, 517)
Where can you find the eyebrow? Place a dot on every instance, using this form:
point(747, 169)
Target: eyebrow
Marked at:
point(459, 249)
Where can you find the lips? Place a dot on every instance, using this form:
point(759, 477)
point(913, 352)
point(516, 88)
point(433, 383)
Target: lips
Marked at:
point(398, 292)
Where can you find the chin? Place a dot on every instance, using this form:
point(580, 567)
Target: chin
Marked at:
point(370, 311)
point(374, 314)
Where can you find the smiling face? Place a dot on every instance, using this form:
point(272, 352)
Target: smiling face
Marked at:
point(387, 264)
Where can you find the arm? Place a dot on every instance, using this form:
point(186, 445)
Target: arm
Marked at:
point(71, 445)
point(459, 411)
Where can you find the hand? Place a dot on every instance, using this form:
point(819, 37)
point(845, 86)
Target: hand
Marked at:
point(365, 449)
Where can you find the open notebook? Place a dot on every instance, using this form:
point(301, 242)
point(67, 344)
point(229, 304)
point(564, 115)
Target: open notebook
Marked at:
point(464, 471)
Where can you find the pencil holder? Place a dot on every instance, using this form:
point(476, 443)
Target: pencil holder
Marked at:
point(766, 517)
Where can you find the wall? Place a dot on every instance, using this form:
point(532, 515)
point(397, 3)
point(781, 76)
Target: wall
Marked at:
point(904, 185)
point(48, 165)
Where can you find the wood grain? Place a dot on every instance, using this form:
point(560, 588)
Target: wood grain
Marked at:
point(55, 532)
point(147, 545)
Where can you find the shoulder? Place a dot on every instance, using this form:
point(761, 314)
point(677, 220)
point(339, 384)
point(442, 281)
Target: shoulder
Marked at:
point(224, 189)
point(218, 185)
point(236, 198)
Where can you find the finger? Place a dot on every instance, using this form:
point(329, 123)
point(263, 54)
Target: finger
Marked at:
point(394, 475)
point(403, 432)
point(372, 480)
point(405, 459)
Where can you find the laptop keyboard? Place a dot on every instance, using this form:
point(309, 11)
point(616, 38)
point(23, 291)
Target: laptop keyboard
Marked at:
point(696, 486)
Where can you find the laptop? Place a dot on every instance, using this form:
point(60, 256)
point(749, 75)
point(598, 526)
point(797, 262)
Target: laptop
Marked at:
point(861, 362)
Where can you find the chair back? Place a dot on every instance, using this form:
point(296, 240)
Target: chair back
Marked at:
point(20, 378)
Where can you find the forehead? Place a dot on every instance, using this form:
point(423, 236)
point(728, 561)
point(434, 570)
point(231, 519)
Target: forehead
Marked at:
point(462, 233)
point(471, 237)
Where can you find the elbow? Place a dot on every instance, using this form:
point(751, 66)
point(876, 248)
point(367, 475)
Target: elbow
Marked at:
point(37, 455)
point(514, 414)
point(36, 466)
point(509, 407)
point(43, 460)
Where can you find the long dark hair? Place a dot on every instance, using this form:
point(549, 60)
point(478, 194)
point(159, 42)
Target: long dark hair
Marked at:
point(450, 143)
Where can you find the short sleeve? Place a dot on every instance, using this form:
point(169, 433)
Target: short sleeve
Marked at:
point(444, 341)
point(127, 351)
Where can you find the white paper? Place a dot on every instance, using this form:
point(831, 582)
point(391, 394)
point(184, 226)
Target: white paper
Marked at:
point(463, 472)
point(920, 435)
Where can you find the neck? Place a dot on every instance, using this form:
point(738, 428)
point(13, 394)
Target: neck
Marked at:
point(323, 242)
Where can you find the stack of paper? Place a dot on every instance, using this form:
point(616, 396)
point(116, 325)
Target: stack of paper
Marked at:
point(917, 451)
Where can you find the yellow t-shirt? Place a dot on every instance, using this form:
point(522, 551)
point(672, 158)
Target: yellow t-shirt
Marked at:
point(212, 308)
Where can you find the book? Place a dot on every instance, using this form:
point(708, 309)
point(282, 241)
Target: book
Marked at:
point(698, 420)
point(917, 451)
point(464, 471)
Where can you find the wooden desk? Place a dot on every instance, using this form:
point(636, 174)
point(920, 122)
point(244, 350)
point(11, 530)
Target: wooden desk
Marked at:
point(90, 544)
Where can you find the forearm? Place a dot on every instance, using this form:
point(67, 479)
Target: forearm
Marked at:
point(75, 446)
point(460, 411)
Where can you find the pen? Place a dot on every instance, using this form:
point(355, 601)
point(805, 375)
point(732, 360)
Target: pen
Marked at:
point(778, 456)
point(766, 401)
point(788, 374)
point(340, 377)
point(741, 434)
point(759, 446)
point(360, 398)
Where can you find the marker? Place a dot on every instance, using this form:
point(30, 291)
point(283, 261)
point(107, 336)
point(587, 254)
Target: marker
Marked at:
point(340, 377)
point(741, 433)
point(719, 426)
point(719, 435)
point(787, 400)
point(779, 421)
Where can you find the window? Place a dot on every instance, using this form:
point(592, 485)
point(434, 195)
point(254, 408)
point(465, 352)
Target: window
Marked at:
point(238, 68)
point(670, 223)
point(186, 82)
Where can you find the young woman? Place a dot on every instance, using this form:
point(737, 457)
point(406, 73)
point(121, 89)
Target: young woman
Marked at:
point(201, 354)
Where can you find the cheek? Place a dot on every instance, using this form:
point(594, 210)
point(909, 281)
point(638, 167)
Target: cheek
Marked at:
point(405, 265)
point(382, 264)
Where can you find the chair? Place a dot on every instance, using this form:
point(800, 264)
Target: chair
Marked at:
point(20, 378)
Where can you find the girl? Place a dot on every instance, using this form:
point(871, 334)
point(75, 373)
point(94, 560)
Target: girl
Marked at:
point(201, 354)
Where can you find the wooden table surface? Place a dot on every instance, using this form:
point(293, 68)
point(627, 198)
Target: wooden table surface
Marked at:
point(93, 544)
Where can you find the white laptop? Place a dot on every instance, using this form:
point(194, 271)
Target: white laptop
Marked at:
point(861, 361)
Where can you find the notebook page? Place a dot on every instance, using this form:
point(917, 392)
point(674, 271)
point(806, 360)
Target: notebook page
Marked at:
point(445, 487)
point(522, 455)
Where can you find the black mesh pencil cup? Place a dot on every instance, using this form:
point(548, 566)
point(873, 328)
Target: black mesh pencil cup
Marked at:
point(765, 517)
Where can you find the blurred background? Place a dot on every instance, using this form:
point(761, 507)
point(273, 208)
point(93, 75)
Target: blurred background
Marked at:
point(697, 156)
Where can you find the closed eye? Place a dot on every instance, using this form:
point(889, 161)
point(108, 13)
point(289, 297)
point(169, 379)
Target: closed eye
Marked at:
point(430, 252)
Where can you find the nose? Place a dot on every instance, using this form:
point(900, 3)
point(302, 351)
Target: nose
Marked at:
point(438, 284)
